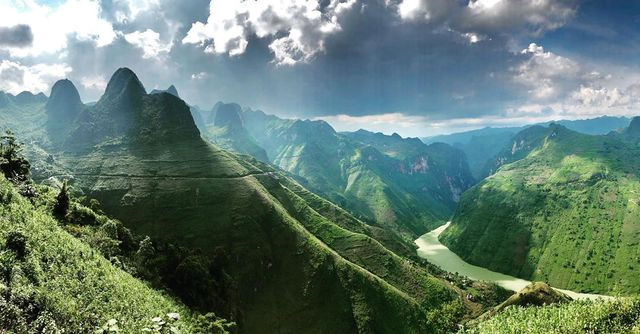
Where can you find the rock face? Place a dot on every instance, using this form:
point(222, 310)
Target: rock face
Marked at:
point(124, 89)
point(126, 112)
point(64, 101)
point(62, 109)
point(228, 114)
point(519, 146)
point(171, 90)
point(634, 126)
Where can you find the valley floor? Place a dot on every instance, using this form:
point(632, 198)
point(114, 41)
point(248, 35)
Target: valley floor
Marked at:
point(431, 249)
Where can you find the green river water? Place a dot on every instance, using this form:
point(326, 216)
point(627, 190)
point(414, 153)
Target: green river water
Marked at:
point(430, 248)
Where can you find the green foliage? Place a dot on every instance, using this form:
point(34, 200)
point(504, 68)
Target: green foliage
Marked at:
point(163, 325)
point(17, 242)
point(619, 316)
point(13, 164)
point(52, 282)
point(566, 213)
point(61, 206)
point(400, 184)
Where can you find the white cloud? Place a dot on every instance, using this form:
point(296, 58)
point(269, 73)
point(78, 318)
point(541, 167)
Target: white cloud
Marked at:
point(423, 126)
point(588, 100)
point(482, 5)
point(407, 125)
point(51, 26)
point(128, 10)
point(298, 27)
point(490, 16)
point(412, 10)
point(473, 37)
point(546, 74)
point(149, 41)
point(594, 100)
point(15, 77)
point(560, 87)
point(94, 83)
point(199, 76)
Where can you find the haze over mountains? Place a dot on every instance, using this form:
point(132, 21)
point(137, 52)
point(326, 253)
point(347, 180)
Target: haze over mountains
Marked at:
point(402, 183)
point(484, 144)
point(250, 236)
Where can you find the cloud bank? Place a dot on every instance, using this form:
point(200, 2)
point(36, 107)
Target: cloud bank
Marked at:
point(406, 66)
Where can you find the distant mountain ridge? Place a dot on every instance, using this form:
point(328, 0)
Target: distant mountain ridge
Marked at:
point(400, 183)
point(171, 90)
point(482, 146)
point(22, 98)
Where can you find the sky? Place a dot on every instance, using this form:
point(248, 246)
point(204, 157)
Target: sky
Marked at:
point(415, 67)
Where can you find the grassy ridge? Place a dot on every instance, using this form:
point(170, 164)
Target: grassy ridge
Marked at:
point(620, 316)
point(236, 206)
point(62, 283)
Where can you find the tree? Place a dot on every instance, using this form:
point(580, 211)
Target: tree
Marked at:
point(61, 207)
point(17, 242)
point(12, 163)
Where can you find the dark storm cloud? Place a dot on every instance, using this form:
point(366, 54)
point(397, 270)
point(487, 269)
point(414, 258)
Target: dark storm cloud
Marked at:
point(12, 74)
point(376, 64)
point(379, 65)
point(17, 36)
point(451, 64)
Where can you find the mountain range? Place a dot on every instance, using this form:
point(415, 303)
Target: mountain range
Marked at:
point(245, 222)
point(292, 260)
point(397, 183)
point(483, 145)
point(561, 207)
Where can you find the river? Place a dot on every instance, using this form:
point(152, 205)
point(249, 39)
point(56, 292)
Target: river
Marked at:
point(430, 248)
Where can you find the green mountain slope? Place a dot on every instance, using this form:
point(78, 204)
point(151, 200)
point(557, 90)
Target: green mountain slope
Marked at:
point(288, 266)
point(482, 146)
point(51, 282)
point(397, 183)
point(195, 111)
point(620, 316)
point(566, 213)
point(228, 131)
point(518, 147)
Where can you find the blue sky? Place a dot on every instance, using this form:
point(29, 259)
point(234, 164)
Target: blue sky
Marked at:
point(416, 67)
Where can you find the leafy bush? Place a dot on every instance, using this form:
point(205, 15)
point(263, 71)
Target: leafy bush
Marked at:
point(17, 242)
point(618, 316)
point(12, 164)
point(61, 207)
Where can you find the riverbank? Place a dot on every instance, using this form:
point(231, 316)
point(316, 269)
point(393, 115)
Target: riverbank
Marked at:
point(430, 248)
